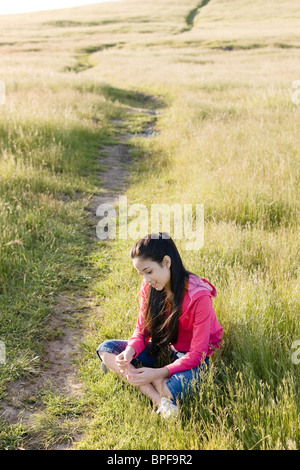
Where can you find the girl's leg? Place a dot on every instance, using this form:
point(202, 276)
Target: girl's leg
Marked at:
point(149, 390)
point(161, 386)
point(107, 352)
point(182, 383)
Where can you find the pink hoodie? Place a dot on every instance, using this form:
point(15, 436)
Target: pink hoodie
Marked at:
point(199, 331)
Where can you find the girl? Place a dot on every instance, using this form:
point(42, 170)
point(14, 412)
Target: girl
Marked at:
point(177, 330)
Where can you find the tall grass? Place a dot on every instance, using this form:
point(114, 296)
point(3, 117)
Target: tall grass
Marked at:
point(48, 161)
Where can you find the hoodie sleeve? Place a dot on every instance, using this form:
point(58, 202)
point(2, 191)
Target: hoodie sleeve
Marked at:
point(200, 339)
point(140, 338)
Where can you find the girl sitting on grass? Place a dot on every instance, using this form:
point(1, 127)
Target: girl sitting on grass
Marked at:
point(176, 324)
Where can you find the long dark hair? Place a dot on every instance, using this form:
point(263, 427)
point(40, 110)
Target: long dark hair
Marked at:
point(163, 330)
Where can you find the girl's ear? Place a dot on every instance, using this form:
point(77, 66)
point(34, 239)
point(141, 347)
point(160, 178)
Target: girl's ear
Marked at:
point(167, 261)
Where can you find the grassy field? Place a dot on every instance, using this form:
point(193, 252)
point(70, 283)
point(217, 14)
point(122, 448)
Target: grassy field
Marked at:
point(229, 139)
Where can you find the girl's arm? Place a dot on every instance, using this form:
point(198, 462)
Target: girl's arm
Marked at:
point(140, 338)
point(200, 340)
point(124, 358)
point(198, 347)
point(146, 375)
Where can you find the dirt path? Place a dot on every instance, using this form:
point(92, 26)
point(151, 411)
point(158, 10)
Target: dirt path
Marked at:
point(23, 398)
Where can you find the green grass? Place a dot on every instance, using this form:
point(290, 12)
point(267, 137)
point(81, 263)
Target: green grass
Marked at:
point(228, 139)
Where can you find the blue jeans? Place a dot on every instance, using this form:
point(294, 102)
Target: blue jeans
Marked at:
point(180, 384)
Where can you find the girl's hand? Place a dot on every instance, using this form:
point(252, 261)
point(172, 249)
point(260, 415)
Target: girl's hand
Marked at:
point(124, 359)
point(146, 375)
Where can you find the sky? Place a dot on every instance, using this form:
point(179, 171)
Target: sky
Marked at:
point(24, 6)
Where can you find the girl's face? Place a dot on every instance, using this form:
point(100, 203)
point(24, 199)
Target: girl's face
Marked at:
point(158, 276)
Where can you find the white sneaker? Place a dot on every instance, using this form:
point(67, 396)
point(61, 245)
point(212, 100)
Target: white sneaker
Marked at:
point(167, 408)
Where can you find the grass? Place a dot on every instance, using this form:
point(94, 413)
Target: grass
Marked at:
point(228, 139)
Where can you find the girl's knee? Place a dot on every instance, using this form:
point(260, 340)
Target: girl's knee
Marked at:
point(102, 354)
point(112, 346)
point(106, 346)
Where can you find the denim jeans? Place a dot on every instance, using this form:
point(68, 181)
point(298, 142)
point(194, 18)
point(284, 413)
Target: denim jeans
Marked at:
point(180, 384)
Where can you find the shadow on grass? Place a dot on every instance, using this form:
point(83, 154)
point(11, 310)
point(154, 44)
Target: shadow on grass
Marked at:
point(133, 98)
point(84, 59)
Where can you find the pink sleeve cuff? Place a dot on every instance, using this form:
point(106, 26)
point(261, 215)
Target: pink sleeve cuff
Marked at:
point(137, 346)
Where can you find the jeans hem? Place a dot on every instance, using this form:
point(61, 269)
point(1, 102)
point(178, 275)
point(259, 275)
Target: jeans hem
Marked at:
point(172, 391)
point(103, 350)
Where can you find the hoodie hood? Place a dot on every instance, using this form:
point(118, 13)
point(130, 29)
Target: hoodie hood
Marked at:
point(198, 287)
